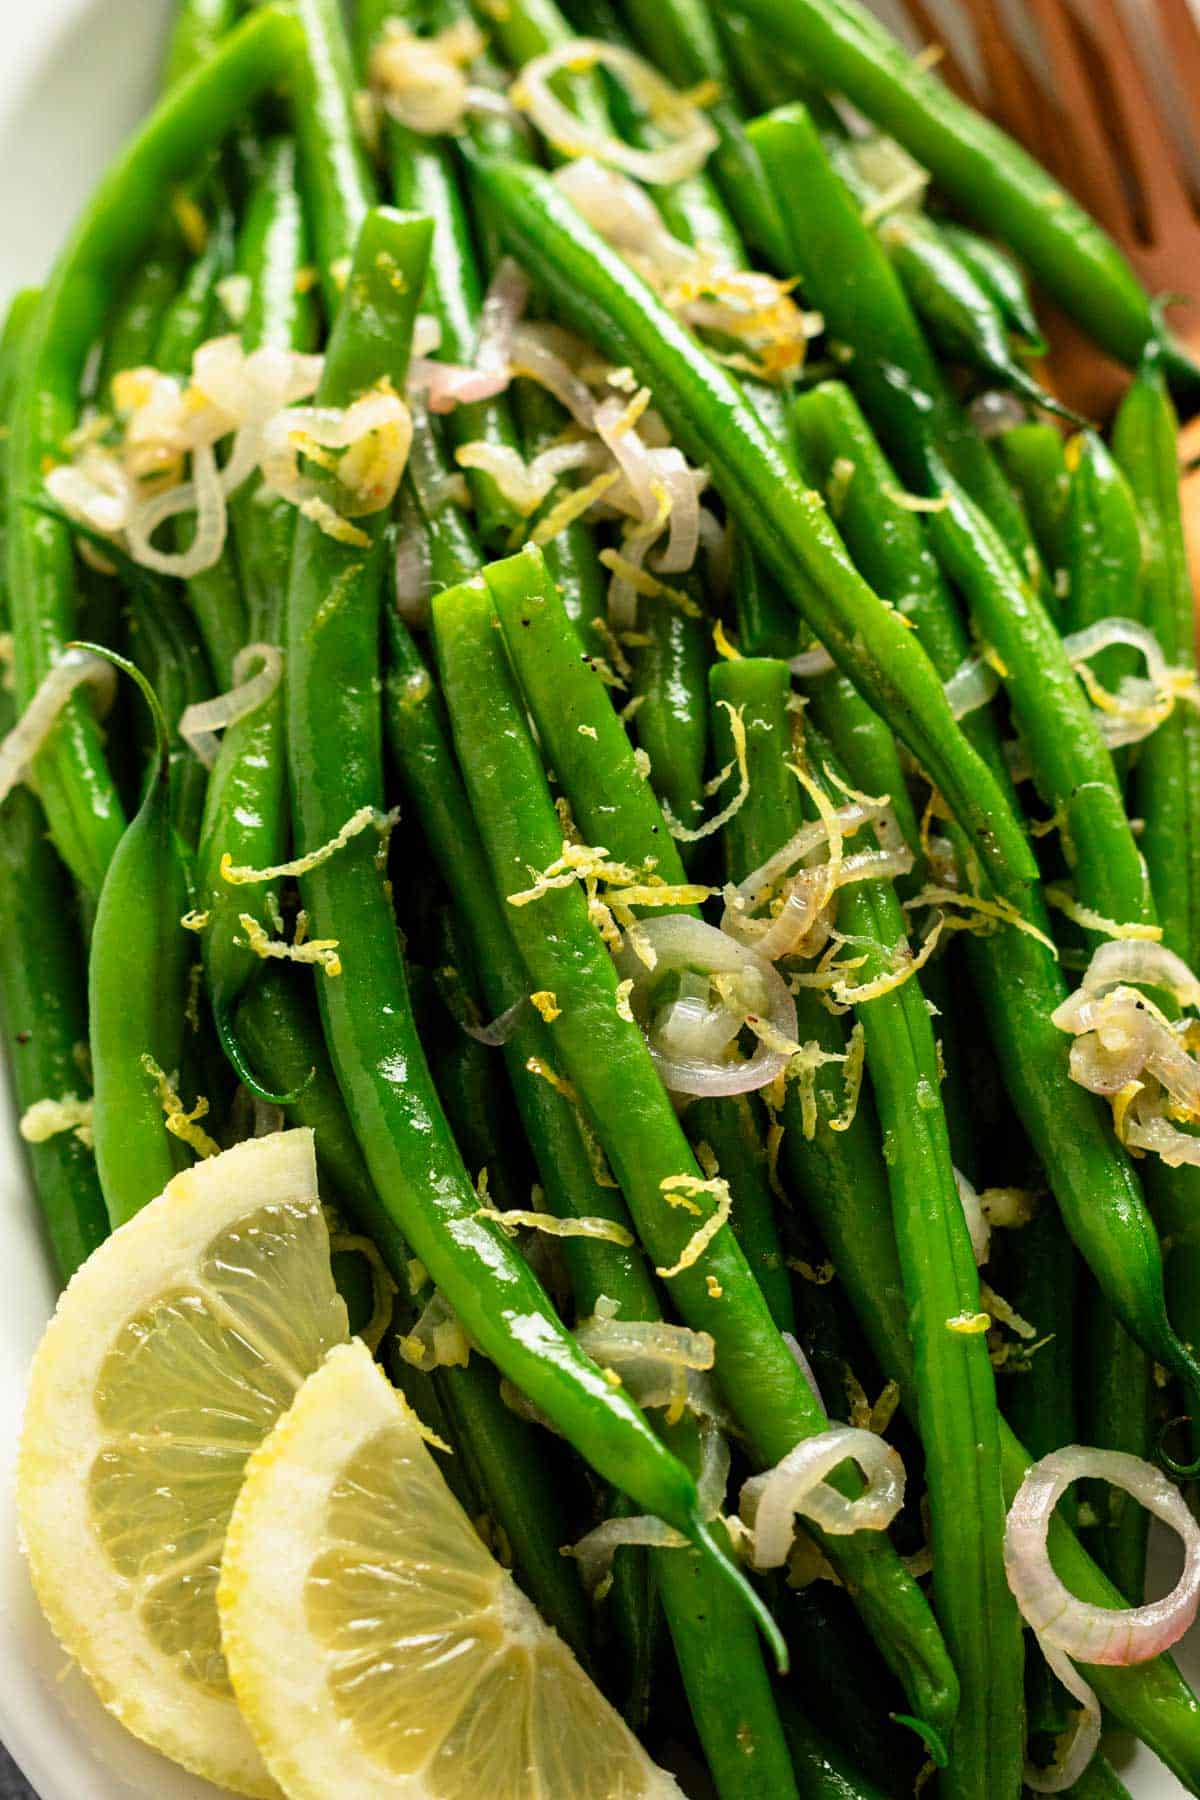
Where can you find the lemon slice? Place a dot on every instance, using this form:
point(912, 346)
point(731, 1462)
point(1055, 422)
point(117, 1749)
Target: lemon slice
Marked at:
point(172, 1353)
point(376, 1648)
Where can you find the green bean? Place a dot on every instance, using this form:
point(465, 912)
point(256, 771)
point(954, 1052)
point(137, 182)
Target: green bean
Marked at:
point(769, 818)
point(245, 814)
point(1033, 457)
point(1001, 277)
point(831, 1157)
point(166, 645)
point(849, 1690)
point(14, 333)
point(823, 1151)
point(1099, 1781)
point(418, 736)
point(765, 79)
point(847, 274)
point(959, 312)
point(998, 186)
point(606, 1059)
point(819, 1766)
point(137, 989)
point(1101, 539)
point(473, 1091)
point(271, 247)
point(719, 1660)
point(1168, 767)
point(610, 799)
point(770, 814)
point(693, 208)
point(573, 553)
point(193, 307)
point(841, 452)
point(766, 623)
point(335, 179)
point(874, 758)
point(942, 983)
point(634, 1628)
point(131, 338)
point(76, 788)
point(1040, 1277)
point(712, 423)
point(1150, 1699)
point(669, 669)
point(1072, 766)
point(198, 29)
point(1041, 1280)
point(278, 1023)
point(528, 28)
point(726, 1683)
point(960, 315)
point(1109, 873)
point(736, 1721)
point(1076, 778)
point(335, 766)
point(42, 988)
point(433, 788)
point(670, 722)
point(1123, 1422)
point(579, 730)
point(1116, 1392)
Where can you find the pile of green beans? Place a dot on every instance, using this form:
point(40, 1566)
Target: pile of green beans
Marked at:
point(464, 1055)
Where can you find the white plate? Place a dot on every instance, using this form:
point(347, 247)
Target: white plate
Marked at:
point(75, 76)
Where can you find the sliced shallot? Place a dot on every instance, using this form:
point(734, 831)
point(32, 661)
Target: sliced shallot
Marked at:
point(539, 352)
point(503, 304)
point(798, 1484)
point(816, 661)
point(501, 1027)
point(693, 1059)
point(414, 578)
point(977, 1226)
point(690, 135)
point(20, 747)
point(446, 385)
point(204, 496)
point(1084, 1740)
point(796, 1352)
point(1087, 1633)
point(971, 686)
point(200, 722)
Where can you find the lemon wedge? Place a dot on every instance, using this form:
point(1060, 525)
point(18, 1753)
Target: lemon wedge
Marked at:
point(172, 1353)
point(375, 1647)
